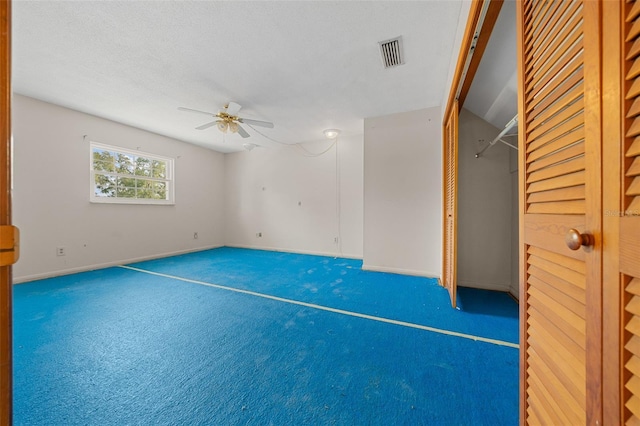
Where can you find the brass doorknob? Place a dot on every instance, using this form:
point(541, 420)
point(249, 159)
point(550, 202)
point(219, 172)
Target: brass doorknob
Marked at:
point(575, 239)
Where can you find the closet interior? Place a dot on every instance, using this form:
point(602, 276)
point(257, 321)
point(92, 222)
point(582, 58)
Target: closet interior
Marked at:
point(487, 172)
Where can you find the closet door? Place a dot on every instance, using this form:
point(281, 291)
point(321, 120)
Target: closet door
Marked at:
point(450, 213)
point(629, 213)
point(560, 211)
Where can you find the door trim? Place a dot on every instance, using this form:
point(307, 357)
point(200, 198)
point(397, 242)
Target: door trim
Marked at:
point(5, 214)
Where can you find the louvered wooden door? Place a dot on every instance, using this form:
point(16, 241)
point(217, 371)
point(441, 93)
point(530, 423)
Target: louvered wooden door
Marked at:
point(450, 179)
point(560, 178)
point(629, 226)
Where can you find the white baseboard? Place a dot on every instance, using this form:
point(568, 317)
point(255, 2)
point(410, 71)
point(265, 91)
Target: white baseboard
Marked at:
point(60, 272)
point(485, 286)
point(283, 250)
point(514, 294)
point(401, 271)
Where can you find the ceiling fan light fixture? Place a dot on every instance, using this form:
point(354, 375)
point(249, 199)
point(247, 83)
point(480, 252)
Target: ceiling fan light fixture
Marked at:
point(331, 133)
point(223, 126)
point(233, 127)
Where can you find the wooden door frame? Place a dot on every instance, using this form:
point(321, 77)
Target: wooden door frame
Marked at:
point(474, 42)
point(612, 130)
point(614, 124)
point(521, 210)
point(5, 217)
point(593, 96)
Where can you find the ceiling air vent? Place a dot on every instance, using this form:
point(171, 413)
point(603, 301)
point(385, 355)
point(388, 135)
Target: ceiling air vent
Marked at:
point(391, 51)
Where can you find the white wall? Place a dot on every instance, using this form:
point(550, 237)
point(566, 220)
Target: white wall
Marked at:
point(403, 193)
point(292, 199)
point(51, 195)
point(389, 186)
point(515, 225)
point(485, 207)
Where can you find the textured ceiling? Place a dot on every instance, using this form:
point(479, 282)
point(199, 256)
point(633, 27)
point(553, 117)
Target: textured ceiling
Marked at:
point(305, 66)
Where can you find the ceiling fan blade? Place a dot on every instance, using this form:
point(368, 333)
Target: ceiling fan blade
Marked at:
point(256, 122)
point(207, 125)
point(233, 108)
point(242, 132)
point(195, 110)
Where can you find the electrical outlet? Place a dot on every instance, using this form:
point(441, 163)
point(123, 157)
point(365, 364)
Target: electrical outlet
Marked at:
point(195, 235)
point(61, 251)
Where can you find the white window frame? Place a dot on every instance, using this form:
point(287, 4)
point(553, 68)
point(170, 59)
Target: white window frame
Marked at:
point(168, 180)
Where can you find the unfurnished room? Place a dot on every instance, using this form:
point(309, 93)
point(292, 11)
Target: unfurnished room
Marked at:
point(231, 213)
point(319, 213)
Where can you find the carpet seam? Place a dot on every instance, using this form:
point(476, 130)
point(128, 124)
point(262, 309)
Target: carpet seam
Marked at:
point(329, 309)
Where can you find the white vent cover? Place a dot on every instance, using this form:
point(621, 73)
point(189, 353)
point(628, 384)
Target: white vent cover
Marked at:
point(391, 51)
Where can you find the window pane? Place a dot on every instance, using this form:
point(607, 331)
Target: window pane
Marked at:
point(159, 169)
point(103, 160)
point(143, 166)
point(105, 186)
point(160, 191)
point(145, 188)
point(126, 188)
point(125, 164)
point(104, 166)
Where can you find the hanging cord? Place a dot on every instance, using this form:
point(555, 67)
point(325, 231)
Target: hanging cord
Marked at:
point(304, 153)
point(307, 153)
point(311, 154)
point(338, 197)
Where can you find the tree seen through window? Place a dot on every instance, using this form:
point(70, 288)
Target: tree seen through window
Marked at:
point(127, 175)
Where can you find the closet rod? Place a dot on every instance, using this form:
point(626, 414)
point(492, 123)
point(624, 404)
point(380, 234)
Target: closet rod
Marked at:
point(513, 122)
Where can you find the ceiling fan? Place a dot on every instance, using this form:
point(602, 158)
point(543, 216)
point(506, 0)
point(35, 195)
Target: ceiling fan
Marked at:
point(227, 120)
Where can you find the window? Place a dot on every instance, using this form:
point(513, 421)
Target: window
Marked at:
point(119, 175)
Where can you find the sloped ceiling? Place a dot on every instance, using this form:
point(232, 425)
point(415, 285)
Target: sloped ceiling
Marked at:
point(305, 65)
point(493, 95)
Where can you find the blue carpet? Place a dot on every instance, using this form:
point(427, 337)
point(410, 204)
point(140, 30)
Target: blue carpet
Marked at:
point(342, 284)
point(116, 347)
